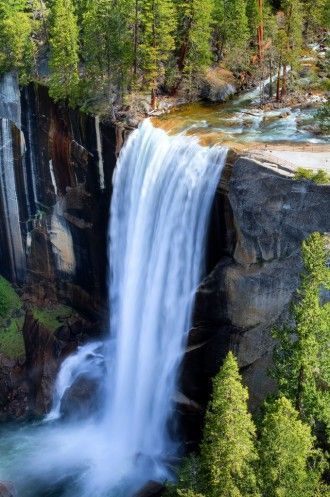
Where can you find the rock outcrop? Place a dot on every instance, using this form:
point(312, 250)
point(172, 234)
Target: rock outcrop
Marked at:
point(261, 216)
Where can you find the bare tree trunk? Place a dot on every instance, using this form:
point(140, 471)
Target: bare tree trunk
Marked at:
point(153, 101)
point(260, 31)
point(284, 81)
point(135, 37)
point(270, 78)
point(278, 83)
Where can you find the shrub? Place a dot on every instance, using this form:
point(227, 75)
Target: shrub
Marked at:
point(9, 299)
point(320, 177)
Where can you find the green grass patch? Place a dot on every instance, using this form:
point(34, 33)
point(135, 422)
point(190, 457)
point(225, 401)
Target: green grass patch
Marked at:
point(9, 300)
point(320, 177)
point(11, 338)
point(52, 317)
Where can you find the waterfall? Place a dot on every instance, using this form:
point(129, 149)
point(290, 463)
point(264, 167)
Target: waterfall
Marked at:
point(162, 195)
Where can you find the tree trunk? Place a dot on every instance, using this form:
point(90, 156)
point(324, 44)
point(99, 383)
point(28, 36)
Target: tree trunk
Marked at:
point(135, 38)
point(260, 31)
point(278, 83)
point(270, 79)
point(153, 101)
point(284, 80)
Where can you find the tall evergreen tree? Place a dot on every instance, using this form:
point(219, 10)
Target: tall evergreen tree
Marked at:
point(156, 41)
point(289, 40)
point(107, 44)
point(231, 28)
point(17, 48)
point(64, 57)
point(286, 451)
point(314, 16)
point(194, 36)
point(302, 366)
point(228, 452)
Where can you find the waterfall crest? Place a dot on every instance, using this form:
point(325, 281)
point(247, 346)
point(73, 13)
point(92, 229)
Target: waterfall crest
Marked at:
point(163, 191)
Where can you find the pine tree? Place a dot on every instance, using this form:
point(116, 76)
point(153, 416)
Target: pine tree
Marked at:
point(231, 21)
point(252, 12)
point(302, 366)
point(64, 58)
point(17, 48)
point(286, 451)
point(156, 41)
point(314, 16)
point(194, 37)
point(289, 40)
point(107, 45)
point(228, 452)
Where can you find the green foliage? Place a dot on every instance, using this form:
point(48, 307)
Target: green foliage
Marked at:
point(252, 13)
point(107, 46)
point(52, 317)
point(323, 117)
point(228, 454)
point(286, 453)
point(302, 366)
point(315, 16)
point(289, 41)
point(156, 39)
point(11, 340)
point(9, 300)
point(17, 49)
point(194, 36)
point(232, 33)
point(320, 177)
point(63, 83)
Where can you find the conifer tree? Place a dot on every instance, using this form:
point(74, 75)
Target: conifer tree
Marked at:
point(107, 44)
point(314, 16)
point(228, 452)
point(302, 366)
point(234, 26)
point(64, 57)
point(156, 41)
point(286, 451)
point(17, 49)
point(289, 40)
point(194, 36)
point(252, 12)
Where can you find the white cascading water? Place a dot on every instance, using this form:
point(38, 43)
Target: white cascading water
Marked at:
point(163, 191)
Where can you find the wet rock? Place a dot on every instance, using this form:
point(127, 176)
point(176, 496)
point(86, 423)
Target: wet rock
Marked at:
point(82, 399)
point(7, 489)
point(151, 489)
point(42, 362)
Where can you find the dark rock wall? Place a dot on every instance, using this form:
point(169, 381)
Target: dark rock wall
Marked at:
point(63, 165)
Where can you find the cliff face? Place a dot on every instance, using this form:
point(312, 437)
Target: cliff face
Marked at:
point(262, 216)
point(55, 185)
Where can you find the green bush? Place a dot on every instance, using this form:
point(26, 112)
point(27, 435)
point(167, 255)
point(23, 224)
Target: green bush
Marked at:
point(323, 118)
point(9, 299)
point(320, 177)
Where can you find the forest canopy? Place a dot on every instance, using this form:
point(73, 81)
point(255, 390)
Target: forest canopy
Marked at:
point(92, 51)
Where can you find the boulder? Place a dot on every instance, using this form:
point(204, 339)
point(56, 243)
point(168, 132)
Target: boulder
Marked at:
point(218, 85)
point(151, 489)
point(82, 399)
point(7, 489)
